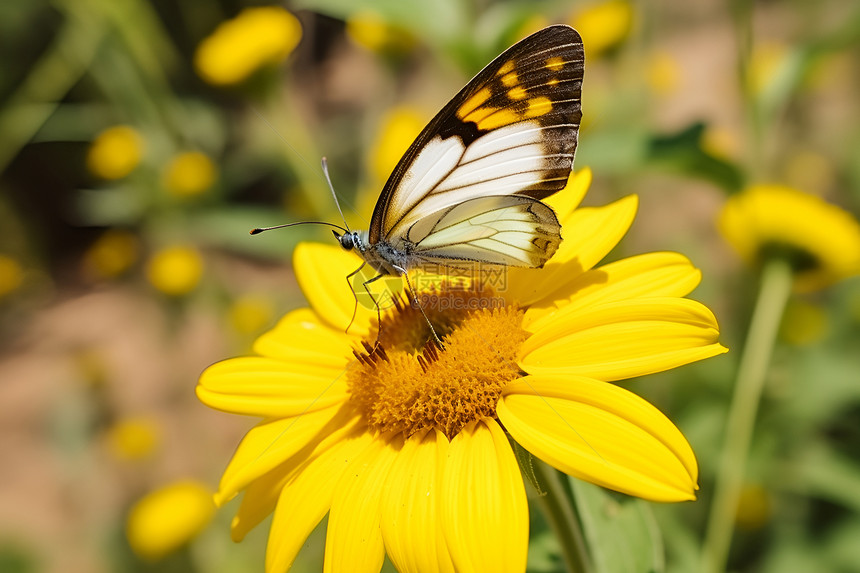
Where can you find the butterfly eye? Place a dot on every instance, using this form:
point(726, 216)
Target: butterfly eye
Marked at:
point(347, 240)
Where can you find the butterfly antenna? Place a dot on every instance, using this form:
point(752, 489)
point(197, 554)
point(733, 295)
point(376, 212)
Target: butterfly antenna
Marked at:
point(259, 230)
point(333, 194)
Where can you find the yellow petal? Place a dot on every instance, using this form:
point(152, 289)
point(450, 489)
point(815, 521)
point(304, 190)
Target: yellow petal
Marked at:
point(485, 513)
point(322, 271)
point(588, 234)
point(823, 239)
point(260, 499)
point(565, 201)
point(306, 499)
point(264, 387)
point(354, 537)
point(622, 339)
point(600, 433)
point(652, 274)
point(303, 339)
point(411, 524)
point(271, 443)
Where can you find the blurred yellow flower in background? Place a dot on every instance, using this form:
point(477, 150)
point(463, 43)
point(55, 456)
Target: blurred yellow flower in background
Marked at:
point(821, 240)
point(370, 31)
point(398, 129)
point(765, 64)
point(720, 142)
point(188, 174)
point(175, 270)
point(168, 518)
point(251, 313)
point(134, 438)
point(257, 37)
point(603, 26)
point(112, 254)
point(754, 507)
point(11, 275)
point(663, 73)
point(115, 152)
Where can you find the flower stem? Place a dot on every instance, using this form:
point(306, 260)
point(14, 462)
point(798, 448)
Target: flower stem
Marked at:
point(773, 294)
point(558, 508)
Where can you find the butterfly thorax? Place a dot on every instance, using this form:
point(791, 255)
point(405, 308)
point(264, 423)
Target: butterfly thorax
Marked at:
point(382, 255)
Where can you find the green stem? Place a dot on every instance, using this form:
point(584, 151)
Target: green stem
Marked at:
point(558, 508)
point(773, 294)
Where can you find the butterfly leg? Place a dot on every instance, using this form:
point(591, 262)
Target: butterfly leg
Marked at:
point(378, 312)
point(417, 303)
point(354, 295)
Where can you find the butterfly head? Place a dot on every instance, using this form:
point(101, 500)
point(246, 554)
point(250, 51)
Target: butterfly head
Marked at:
point(349, 240)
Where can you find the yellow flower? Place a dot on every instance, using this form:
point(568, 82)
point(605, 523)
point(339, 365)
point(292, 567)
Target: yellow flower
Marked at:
point(175, 270)
point(134, 438)
point(754, 507)
point(821, 240)
point(250, 314)
point(603, 26)
point(720, 142)
point(115, 152)
point(112, 254)
point(168, 518)
point(370, 31)
point(398, 129)
point(405, 446)
point(663, 73)
point(257, 37)
point(11, 275)
point(188, 174)
point(766, 63)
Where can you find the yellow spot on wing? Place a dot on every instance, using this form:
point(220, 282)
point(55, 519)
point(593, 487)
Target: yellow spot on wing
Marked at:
point(555, 63)
point(517, 93)
point(506, 67)
point(510, 79)
point(480, 114)
point(538, 106)
point(498, 119)
point(473, 103)
point(552, 83)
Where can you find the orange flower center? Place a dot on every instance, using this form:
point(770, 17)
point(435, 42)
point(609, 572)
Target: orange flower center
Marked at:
point(405, 383)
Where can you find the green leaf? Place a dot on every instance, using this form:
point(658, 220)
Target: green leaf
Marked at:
point(442, 20)
point(821, 472)
point(621, 531)
point(682, 152)
point(613, 151)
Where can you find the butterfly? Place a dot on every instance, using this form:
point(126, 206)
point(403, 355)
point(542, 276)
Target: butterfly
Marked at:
point(468, 190)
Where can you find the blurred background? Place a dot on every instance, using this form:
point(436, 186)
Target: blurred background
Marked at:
point(141, 140)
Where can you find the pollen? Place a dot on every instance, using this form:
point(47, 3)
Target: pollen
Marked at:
point(405, 382)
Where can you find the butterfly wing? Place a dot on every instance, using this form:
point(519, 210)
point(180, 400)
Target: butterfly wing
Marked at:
point(510, 230)
point(512, 131)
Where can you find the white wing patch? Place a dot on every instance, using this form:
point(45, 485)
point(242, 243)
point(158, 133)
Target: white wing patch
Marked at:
point(444, 174)
point(438, 158)
point(509, 230)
